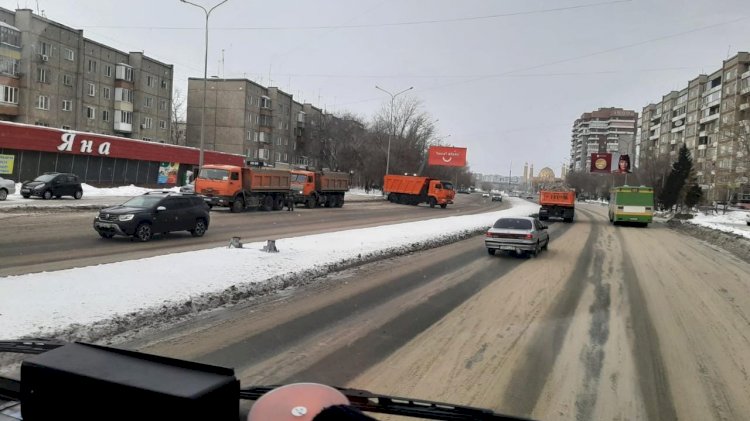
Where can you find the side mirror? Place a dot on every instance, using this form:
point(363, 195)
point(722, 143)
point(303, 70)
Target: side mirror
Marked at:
point(161, 208)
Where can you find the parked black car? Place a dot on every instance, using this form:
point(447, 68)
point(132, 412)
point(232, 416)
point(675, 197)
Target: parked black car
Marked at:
point(154, 213)
point(53, 184)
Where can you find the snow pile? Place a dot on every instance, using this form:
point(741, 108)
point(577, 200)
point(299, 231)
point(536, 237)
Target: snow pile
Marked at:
point(126, 293)
point(357, 191)
point(91, 191)
point(732, 222)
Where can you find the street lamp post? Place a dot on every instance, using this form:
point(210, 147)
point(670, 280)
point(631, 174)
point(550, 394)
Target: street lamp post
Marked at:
point(388, 154)
point(205, 77)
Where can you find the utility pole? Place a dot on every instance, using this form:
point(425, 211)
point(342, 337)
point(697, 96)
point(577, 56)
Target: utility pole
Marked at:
point(393, 129)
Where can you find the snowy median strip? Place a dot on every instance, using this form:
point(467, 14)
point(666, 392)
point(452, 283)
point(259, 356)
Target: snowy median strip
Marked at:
point(124, 295)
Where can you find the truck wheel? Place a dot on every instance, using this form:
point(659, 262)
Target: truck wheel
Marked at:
point(267, 203)
point(444, 205)
point(310, 203)
point(433, 202)
point(391, 197)
point(237, 206)
point(491, 252)
point(278, 203)
point(340, 201)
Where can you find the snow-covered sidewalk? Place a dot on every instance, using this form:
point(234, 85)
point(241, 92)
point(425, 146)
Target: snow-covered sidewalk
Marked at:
point(45, 303)
point(734, 222)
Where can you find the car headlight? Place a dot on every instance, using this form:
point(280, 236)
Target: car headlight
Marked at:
point(299, 192)
point(124, 218)
point(39, 187)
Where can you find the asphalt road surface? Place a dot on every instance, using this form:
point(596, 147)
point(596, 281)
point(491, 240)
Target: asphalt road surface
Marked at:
point(612, 323)
point(44, 240)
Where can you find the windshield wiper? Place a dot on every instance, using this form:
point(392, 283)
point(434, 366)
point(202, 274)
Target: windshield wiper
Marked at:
point(29, 346)
point(372, 402)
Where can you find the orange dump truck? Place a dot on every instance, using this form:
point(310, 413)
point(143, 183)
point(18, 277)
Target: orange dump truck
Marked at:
point(319, 188)
point(557, 204)
point(411, 190)
point(241, 188)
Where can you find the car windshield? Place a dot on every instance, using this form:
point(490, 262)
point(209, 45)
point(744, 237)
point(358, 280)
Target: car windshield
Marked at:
point(513, 223)
point(45, 178)
point(144, 201)
point(214, 174)
point(447, 185)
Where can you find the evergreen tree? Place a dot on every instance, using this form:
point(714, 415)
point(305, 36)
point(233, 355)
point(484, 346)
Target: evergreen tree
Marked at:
point(676, 179)
point(693, 195)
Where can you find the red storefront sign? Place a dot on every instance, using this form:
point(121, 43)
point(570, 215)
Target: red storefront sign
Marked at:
point(447, 156)
point(36, 138)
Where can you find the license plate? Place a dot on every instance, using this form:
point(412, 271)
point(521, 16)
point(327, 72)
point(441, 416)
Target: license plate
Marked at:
point(507, 248)
point(104, 225)
point(25, 190)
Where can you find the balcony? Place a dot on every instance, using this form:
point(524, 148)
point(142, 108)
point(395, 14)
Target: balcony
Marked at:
point(744, 106)
point(711, 117)
point(712, 90)
point(679, 117)
point(678, 129)
point(654, 136)
point(745, 90)
point(123, 127)
point(745, 75)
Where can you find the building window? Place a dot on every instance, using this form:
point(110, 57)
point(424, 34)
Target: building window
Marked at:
point(67, 105)
point(286, 158)
point(105, 115)
point(10, 36)
point(124, 72)
point(67, 80)
point(8, 66)
point(92, 66)
point(163, 105)
point(148, 139)
point(90, 113)
point(164, 84)
point(125, 117)
point(265, 102)
point(42, 75)
point(92, 89)
point(65, 127)
point(148, 102)
point(150, 81)
point(147, 123)
point(163, 124)
point(9, 95)
point(108, 70)
point(45, 49)
point(278, 156)
point(106, 92)
point(124, 95)
point(42, 102)
point(69, 54)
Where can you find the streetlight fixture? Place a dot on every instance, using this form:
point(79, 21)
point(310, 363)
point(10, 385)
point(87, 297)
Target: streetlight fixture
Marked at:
point(205, 77)
point(393, 97)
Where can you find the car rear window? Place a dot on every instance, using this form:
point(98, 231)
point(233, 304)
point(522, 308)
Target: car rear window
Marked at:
point(513, 223)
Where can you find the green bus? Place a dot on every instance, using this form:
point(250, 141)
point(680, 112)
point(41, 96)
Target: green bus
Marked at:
point(631, 204)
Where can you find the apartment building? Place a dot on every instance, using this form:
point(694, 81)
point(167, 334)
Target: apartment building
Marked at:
point(265, 124)
point(51, 75)
point(604, 130)
point(711, 116)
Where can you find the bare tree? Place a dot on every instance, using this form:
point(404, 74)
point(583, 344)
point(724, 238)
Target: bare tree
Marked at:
point(178, 126)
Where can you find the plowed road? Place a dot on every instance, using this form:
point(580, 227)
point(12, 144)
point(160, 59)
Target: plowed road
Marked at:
point(612, 323)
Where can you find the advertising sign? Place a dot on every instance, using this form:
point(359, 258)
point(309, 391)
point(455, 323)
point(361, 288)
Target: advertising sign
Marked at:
point(601, 163)
point(168, 172)
point(447, 156)
point(6, 164)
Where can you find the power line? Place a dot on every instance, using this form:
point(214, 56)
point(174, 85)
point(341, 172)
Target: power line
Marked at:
point(370, 25)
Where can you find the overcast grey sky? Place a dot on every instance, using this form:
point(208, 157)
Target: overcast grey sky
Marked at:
point(506, 87)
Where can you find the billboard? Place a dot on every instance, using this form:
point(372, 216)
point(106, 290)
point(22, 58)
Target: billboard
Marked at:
point(447, 156)
point(601, 163)
point(168, 173)
point(624, 165)
point(6, 164)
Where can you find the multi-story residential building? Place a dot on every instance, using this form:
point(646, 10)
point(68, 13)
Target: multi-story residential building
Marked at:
point(711, 116)
point(264, 124)
point(605, 130)
point(51, 75)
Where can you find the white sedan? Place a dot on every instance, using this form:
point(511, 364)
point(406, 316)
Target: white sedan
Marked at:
point(6, 187)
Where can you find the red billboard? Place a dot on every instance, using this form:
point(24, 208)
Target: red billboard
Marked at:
point(447, 156)
point(601, 163)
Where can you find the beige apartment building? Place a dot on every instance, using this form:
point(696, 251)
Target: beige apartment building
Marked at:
point(51, 75)
point(265, 124)
point(604, 130)
point(711, 116)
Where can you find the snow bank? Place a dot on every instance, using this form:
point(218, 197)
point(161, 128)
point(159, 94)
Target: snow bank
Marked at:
point(361, 192)
point(64, 301)
point(91, 191)
point(732, 222)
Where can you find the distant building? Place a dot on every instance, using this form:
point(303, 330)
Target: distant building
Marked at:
point(605, 130)
point(711, 116)
point(51, 75)
point(243, 117)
